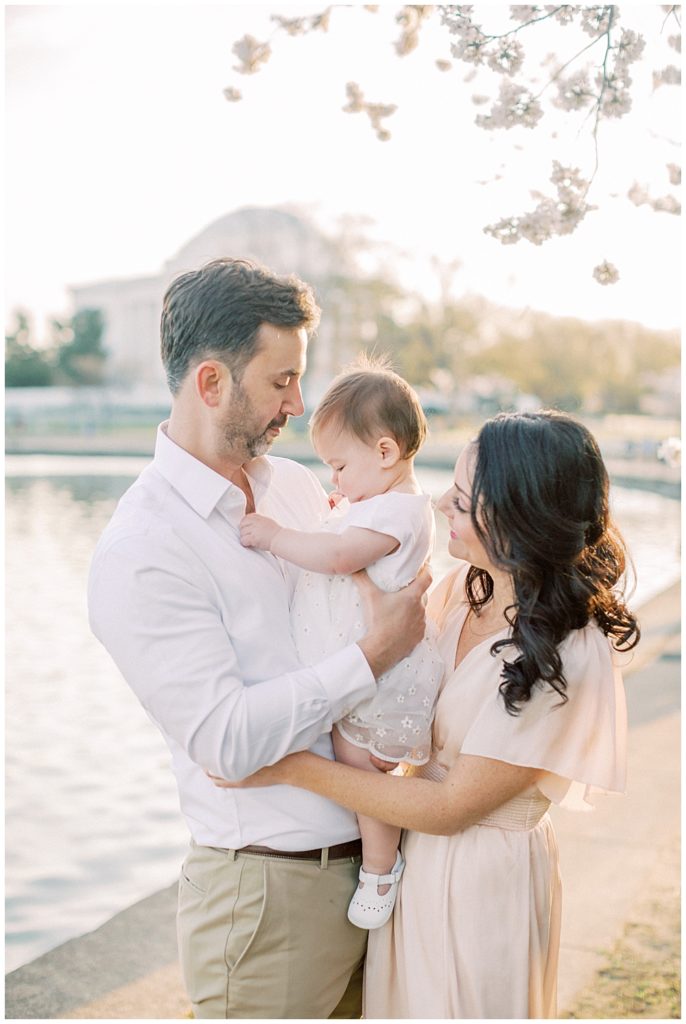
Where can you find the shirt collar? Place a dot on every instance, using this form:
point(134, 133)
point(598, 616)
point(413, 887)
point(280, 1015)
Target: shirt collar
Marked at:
point(201, 487)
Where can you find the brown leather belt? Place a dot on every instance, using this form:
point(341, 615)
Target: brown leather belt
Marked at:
point(340, 852)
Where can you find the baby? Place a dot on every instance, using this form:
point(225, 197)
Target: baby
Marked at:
point(367, 428)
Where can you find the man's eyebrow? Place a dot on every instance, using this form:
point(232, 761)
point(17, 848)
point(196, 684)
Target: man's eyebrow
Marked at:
point(289, 373)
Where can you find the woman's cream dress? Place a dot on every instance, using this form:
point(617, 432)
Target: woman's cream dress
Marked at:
point(475, 933)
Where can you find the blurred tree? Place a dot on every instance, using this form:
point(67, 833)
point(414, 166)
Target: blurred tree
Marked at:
point(26, 366)
point(363, 306)
point(80, 356)
point(474, 355)
point(374, 314)
point(573, 365)
point(592, 79)
point(552, 361)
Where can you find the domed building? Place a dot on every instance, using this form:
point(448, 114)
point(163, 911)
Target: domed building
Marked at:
point(279, 238)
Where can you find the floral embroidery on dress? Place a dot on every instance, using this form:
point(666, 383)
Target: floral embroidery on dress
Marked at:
point(396, 721)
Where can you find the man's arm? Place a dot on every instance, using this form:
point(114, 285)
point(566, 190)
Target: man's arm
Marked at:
point(167, 636)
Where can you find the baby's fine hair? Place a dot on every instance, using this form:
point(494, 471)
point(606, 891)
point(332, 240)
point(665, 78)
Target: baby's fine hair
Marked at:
point(370, 400)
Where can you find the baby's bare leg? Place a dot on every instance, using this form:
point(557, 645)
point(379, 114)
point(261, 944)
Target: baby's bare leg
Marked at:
point(379, 840)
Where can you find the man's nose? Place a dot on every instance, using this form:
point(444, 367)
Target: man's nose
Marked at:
point(293, 402)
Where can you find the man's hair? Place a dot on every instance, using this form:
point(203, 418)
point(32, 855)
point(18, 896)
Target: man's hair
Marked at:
point(369, 400)
point(216, 312)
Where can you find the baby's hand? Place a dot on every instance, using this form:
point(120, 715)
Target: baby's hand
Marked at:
point(258, 531)
point(335, 498)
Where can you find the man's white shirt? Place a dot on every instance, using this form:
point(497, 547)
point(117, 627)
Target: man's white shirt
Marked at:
point(199, 626)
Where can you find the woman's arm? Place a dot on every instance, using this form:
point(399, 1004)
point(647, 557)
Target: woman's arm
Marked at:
point(473, 787)
point(332, 553)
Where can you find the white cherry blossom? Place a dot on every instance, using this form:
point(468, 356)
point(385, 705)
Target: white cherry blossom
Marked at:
point(597, 20)
point(574, 92)
point(251, 54)
point(524, 12)
point(674, 172)
point(507, 57)
point(671, 75)
point(606, 273)
point(515, 106)
point(564, 14)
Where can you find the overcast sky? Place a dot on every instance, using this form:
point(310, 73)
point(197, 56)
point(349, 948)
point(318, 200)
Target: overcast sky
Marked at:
point(120, 147)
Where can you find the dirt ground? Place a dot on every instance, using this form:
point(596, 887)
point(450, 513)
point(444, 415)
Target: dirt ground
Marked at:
point(641, 978)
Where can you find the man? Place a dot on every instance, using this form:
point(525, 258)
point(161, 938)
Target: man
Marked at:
point(199, 627)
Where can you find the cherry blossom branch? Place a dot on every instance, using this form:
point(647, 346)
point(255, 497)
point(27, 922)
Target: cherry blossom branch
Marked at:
point(603, 89)
point(524, 24)
point(673, 10)
point(567, 63)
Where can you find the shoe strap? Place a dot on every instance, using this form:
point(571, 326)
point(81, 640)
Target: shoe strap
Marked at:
point(391, 879)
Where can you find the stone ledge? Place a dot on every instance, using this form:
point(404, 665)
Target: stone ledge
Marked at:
point(132, 945)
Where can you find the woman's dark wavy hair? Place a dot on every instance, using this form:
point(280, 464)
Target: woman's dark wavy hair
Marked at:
point(540, 507)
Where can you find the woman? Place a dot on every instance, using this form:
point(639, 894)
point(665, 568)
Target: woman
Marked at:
point(531, 712)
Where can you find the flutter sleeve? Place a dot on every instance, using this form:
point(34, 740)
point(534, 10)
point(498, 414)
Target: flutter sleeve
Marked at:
point(580, 744)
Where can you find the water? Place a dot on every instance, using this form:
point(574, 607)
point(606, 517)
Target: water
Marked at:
point(92, 820)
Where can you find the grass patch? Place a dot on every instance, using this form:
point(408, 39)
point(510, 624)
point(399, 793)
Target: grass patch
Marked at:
point(641, 978)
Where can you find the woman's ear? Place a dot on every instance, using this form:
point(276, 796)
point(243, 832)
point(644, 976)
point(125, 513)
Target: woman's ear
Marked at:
point(210, 381)
point(389, 450)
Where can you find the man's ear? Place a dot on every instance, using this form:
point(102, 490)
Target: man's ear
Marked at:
point(211, 380)
point(389, 450)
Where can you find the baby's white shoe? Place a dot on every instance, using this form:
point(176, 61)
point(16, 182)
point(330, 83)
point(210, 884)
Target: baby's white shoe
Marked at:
point(367, 908)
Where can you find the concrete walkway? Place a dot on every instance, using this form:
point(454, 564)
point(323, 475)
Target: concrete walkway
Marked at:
point(611, 859)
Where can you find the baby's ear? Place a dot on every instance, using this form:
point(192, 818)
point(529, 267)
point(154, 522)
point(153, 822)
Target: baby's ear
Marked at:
point(389, 450)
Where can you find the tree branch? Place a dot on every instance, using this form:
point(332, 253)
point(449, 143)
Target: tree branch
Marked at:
point(673, 10)
point(603, 88)
point(524, 24)
point(566, 65)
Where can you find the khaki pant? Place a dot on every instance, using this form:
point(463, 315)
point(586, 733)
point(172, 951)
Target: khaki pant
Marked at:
point(261, 937)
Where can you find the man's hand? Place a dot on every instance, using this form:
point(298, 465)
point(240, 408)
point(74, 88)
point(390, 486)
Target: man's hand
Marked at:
point(258, 531)
point(277, 774)
point(396, 622)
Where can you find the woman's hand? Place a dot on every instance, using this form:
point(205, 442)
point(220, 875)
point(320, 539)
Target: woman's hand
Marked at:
point(278, 774)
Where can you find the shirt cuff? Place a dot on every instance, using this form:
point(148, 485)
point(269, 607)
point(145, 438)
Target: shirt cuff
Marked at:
point(346, 679)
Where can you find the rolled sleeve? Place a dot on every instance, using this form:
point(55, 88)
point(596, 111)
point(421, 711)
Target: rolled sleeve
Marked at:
point(346, 679)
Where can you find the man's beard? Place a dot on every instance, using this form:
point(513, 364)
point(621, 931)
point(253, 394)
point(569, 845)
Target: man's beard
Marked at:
point(240, 437)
